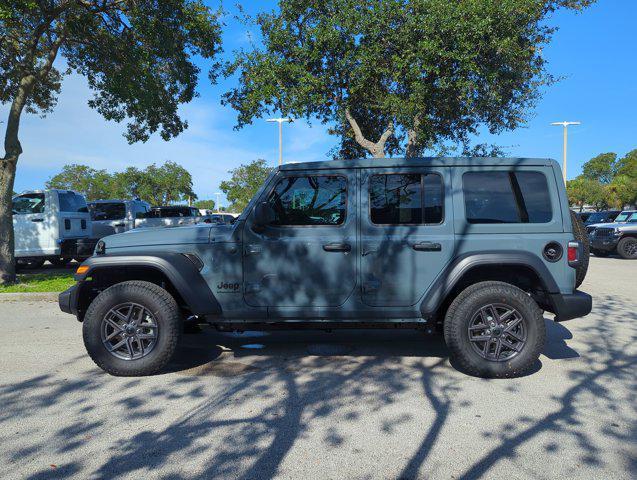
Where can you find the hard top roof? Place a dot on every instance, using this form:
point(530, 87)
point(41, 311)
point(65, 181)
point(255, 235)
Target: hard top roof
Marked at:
point(420, 162)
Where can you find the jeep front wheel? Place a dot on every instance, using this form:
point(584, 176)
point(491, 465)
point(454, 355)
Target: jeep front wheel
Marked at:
point(132, 328)
point(627, 248)
point(494, 330)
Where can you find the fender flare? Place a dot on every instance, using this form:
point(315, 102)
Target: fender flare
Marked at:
point(451, 275)
point(180, 271)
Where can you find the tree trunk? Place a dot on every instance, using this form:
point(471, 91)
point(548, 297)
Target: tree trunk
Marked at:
point(412, 149)
point(376, 149)
point(7, 176)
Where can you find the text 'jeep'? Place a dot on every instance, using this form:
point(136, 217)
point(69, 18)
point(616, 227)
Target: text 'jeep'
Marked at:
point(475, 247)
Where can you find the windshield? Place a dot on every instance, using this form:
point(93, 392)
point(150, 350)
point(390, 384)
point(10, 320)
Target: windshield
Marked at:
point(72, 202)
point(599, 217)
point(28, 203)
point(107, 211)
point(624, 217)
point(632, 218)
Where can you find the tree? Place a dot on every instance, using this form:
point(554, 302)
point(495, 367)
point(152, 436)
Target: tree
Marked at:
point(136, 55)
point(584, 191)
point(411, 73)
point(244, 183)
point(94, 184)
point(628, 165)
point(204, 204)
point(621, 191)
point(601, 168)
point(164, 185)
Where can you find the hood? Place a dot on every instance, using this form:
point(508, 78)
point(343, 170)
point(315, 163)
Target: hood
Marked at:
point(603, 225)
point(140, 237)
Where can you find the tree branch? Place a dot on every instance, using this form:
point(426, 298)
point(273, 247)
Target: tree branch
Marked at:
point(376, 149)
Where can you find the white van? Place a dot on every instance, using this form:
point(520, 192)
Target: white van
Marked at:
point(47, 226)
point(115, 216)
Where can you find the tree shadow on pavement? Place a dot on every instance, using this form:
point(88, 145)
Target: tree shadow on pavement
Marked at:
point(187, 423)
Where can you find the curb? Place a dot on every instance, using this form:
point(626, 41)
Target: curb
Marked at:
point(29, 297)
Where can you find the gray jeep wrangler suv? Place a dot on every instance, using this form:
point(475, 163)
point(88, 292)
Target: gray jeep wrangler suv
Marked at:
point(619, 236)
point(477, 248)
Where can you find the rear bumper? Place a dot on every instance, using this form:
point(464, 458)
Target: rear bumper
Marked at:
point(567, 307)
point(67, 300)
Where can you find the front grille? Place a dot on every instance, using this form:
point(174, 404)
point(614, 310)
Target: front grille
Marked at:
point(604, 232)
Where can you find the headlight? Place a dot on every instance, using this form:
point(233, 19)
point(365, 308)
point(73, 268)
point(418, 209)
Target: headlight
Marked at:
point(618, 232)
point(100, 248)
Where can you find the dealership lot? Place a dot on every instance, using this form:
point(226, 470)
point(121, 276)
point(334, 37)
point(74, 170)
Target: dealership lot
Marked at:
point(353, 404)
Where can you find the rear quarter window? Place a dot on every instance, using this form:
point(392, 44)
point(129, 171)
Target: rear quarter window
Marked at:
point(506, 197)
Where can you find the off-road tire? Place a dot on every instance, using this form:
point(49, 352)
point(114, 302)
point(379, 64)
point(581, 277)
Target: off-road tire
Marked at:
point(627, 248)
point(60, 261)
point(29, 264)
point(166, 312)
point(579, 232)
point(460, 313)
point(600, 253)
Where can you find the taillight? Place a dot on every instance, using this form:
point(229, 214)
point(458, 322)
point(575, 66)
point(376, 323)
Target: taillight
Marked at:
point(67, 224)
point(83, 224)
point(573, 253)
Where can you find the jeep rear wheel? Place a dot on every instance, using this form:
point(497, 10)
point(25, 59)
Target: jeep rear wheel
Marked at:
point(627, 248)
point(494, 330)
point(132, 328)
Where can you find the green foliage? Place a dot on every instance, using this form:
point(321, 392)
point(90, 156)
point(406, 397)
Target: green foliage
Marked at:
point(137, 56)
point(163, 185)
point(205, 204)
point(584, 191)
point(606, 181)
point(601, 168)
point(244, 183)
point(397, 75)
point(628, 165)
point(94, 184)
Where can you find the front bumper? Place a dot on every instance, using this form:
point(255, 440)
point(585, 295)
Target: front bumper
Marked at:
point(67, 300)
point(606, 244)
point(567, 307)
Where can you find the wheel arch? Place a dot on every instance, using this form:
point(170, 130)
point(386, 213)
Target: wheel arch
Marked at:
point(174, 272)
point(521, 269)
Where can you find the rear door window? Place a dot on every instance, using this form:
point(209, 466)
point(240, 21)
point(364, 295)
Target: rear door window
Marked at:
point(506, 197)
point(72, 202)
point(28, 203)
point(405, 199)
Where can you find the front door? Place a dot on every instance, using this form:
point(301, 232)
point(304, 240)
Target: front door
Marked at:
point(306, 257)
point(31, 224)
point(406, 233)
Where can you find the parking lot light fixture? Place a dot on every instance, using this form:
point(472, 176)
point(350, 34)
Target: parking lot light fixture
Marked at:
point(218, 194)
point(280, 121)
point(565, 126)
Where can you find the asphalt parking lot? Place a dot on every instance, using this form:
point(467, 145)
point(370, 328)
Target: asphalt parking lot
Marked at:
point(355, 404)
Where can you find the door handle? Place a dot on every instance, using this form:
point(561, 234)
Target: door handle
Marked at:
point(337, 247)
point(37, 219)
point(119, 225)
point(427, 247)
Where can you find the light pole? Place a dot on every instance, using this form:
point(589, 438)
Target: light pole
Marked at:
point(280, 121)
point(218, 194)
point(565, 126)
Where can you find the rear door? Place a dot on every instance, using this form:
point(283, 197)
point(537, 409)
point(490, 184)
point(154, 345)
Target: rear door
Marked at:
point(307, 256)
point(406, 233)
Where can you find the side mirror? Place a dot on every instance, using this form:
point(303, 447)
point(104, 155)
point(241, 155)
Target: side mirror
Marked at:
point(263, 215)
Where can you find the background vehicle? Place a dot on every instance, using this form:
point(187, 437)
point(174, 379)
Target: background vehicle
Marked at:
point(168, 216)
point(605, 216)
point(48, 225)
point(583, 216)
point(374, 243)
point(115, 216)
point(616, 237)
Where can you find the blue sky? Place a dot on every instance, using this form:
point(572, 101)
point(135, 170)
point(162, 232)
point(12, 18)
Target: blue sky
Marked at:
point(594, 51)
